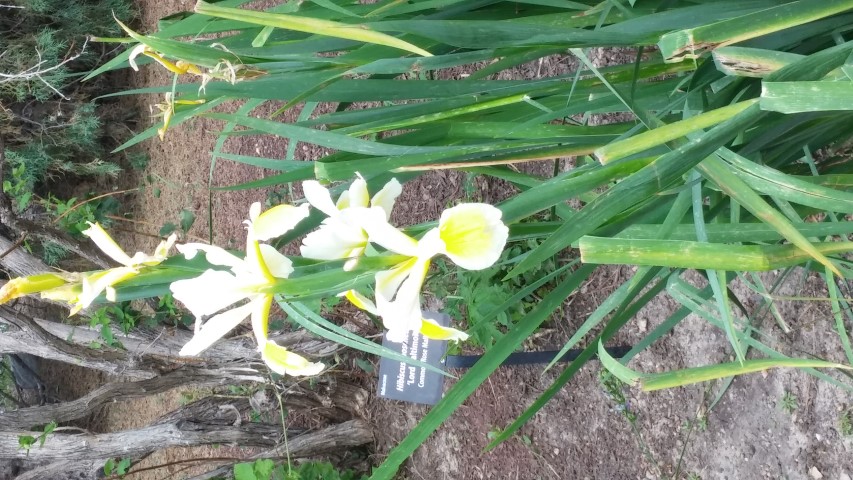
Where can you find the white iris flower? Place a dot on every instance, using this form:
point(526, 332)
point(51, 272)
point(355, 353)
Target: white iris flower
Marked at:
point(341, 235)
point(472, 235)
point(246, 278)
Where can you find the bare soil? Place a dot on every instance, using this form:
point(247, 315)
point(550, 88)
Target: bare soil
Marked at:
point(581, 433)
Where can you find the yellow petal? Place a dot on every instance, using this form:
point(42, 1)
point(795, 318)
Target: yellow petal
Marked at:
point(386, 197)
point(473, 235)
point(283, 362)
point(106, 243)
point(18, 287)
point(360, 301)
point(261, 318)
point(215, 328)
point(67, 293)
point(277, 221)
point(431, 329)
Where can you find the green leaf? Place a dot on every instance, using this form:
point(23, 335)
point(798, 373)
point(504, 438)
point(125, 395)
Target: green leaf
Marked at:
point(245, 471)
point(317, 325)
point(692, 43)
point(623, 373)
point(167, 229)
point(187, 220)
point(360, 33)
point(798, 97)
point(688, 376)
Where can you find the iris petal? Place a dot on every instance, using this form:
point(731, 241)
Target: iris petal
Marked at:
point(382, 233)
point(261, 318)
point(319, 197)
point(386, 197)
point(431, 329)
point(215, 328)
point(278, 220)
point(473, 234)
point(208, 293)
point(284, 362)
point(106, 243)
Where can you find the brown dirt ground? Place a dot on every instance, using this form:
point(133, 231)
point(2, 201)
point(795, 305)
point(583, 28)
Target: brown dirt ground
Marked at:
point(580, 433)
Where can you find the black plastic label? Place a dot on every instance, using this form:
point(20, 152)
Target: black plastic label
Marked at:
point(410, 383)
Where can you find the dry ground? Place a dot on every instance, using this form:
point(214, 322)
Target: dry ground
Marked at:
point(580, 433)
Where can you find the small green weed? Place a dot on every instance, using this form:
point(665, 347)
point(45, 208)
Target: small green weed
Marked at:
point(473, 294)
point(119, 468)
point(615, 389)
point(267, 470)
point(845, 422)
point(26, 442)
point(789, 403)
point(74, 216)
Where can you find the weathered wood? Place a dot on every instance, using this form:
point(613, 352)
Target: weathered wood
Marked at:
point(146, 354)
point(26, 418)
point(332, 439)
point(218, 428)
point(23, 334)
point(65, 470)
point(166, 342)
point(18, 261)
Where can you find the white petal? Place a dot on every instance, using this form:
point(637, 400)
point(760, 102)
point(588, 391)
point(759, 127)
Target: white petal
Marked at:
point(162, 250)
point(360, 301)
point(473, 234)
point(137, 51)
point(284, 362)
point(254, 211)
point(382, 233)
point(318, 196)
point(208, 293)
point(404, 312)
point(279, 265)
point(215, 328)
point(386, 197)
point(278, 220)
point(106, 243)
point(389, 281)
point(343, 201)
point(358, 196)
point(333, 240)
point(214, 255)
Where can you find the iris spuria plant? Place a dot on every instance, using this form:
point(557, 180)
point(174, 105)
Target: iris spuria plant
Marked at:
point(341, 235)
point(472, 235)
point(249, 279)
point(81, 289)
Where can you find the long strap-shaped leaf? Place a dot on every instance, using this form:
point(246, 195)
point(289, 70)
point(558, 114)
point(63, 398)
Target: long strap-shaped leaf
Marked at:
point(657, 381)
point(360, 33)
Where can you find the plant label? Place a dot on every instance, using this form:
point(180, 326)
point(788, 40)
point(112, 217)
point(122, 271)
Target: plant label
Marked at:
point(409, 383)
